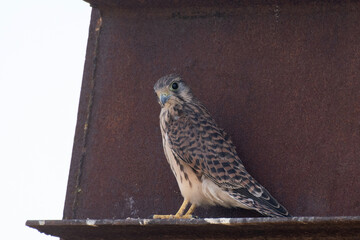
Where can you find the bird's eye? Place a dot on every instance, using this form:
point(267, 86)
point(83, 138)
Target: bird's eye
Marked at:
point(174, 86)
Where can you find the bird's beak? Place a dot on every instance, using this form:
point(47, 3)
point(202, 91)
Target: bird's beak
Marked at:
point(164, 97)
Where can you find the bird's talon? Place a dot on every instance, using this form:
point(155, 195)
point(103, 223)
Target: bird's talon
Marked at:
point(156, 216)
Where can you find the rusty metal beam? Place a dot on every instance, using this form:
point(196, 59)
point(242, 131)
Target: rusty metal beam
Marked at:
point(282, 77)
point(209, 228)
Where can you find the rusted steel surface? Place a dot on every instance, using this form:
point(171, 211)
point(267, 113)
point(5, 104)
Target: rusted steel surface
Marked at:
point(208, 228)
point(281, 77)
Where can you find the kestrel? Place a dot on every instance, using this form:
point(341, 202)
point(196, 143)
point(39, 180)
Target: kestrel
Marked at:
point(203, 158)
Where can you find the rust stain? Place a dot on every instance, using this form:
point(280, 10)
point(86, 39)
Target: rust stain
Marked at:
point(281, 77)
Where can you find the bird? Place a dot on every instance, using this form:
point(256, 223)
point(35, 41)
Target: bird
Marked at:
point(203, 158)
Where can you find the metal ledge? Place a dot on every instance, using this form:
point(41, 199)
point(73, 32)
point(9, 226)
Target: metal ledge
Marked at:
point(205, 228)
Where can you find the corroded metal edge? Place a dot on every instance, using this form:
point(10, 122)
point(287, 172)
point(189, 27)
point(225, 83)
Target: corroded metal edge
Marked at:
point(195, 221)
point(205, 228)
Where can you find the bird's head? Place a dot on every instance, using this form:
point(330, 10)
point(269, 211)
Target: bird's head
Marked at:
point(171, 89)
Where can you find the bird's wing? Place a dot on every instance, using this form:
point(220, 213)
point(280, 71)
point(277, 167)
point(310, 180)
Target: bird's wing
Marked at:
point(197, 141)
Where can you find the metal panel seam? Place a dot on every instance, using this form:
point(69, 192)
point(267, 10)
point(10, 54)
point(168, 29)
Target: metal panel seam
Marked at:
point(88, 116)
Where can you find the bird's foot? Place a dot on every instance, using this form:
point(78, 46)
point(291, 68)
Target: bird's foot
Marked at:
point(180, 214)
point(176, 216)
point(189, 216)
point(156, 216)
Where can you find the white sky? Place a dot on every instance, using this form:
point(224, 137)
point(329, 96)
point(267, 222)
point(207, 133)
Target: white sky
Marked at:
point(42, 53)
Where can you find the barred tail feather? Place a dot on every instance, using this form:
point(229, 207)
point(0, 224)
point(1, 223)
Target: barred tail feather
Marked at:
point(265, 204)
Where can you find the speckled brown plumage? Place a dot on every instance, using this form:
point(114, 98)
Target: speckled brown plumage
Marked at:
point(202, 156)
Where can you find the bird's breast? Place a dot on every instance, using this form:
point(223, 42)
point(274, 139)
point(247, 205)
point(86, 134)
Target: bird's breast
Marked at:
point(190, 184)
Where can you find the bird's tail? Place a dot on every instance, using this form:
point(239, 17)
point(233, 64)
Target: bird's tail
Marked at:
point(264, 204)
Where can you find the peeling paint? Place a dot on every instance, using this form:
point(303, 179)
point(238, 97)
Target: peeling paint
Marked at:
point(130, 203)
point(144, 221)
point(91, 222)
point(277, 12)
point(225, 221)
